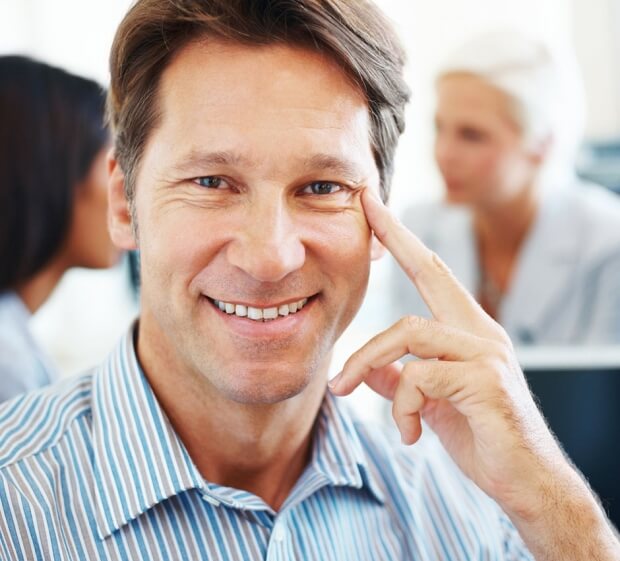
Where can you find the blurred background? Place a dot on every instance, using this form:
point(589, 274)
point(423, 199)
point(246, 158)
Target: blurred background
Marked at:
point(90, 310)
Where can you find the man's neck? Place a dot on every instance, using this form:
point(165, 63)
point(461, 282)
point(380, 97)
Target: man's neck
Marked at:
point(260, 448)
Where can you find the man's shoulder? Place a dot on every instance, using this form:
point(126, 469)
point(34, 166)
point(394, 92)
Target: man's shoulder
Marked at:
point(37, 421)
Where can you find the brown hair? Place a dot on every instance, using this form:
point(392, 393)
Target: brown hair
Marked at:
point(52, 130)
point(353, 33)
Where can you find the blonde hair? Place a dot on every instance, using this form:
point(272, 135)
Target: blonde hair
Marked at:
point(543, 83)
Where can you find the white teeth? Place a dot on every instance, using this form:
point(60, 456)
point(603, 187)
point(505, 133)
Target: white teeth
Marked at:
point(255, 313)
point(261, 314)
point(270, 313)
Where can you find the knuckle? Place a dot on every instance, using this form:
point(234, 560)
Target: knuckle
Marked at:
point(413, 324)
point(397, 409)
point(442, 383)
point(492, 371)
point(500, 353)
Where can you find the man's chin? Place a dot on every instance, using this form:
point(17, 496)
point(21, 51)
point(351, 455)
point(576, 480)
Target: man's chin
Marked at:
point(266, 393)
point(268, 384)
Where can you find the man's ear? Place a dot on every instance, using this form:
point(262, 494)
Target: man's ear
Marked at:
point(377, 249)
point(119, 216)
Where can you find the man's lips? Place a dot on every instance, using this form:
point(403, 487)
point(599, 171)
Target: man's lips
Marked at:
point(268, 312)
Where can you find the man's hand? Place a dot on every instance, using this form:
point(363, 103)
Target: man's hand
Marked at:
point(469, 388)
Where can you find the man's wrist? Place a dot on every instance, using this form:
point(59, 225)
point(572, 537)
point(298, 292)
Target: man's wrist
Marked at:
point(568, 521)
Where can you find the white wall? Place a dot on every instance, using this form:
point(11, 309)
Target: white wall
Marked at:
point(597, 43)
point(74, 34)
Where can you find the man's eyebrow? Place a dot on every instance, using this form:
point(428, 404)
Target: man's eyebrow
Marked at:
point(197, 160)
point(334, 164)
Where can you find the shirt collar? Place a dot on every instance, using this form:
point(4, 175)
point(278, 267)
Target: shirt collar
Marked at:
point(139, 461)
point(338, 453)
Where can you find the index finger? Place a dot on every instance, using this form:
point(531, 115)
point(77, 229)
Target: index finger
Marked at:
point(447, 299)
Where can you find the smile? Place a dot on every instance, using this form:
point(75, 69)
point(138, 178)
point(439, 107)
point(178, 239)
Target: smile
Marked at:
point(260, 314)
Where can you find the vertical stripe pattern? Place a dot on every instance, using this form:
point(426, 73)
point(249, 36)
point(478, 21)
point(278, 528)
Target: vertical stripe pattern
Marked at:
point(91, 469)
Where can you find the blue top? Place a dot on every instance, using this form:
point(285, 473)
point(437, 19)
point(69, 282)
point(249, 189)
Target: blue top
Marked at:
point(91, 468)
point(23, 366)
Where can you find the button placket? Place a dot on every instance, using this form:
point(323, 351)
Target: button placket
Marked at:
point(279, 532)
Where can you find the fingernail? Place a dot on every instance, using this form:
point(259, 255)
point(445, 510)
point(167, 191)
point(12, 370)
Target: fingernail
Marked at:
point(334, 381)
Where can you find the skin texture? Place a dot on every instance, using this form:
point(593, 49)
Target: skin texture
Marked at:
point(487, 165)
point(252, 231)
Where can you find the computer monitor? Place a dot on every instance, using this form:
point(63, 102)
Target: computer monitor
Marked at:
point(578, 391)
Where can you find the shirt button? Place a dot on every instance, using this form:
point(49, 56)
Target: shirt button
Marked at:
point(279, 532)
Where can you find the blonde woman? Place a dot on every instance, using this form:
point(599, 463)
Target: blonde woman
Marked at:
point(539, 249)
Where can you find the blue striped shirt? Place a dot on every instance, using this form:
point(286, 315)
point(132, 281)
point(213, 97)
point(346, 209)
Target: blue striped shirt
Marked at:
point(91, 469)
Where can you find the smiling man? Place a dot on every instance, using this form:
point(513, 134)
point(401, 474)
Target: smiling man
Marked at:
point(252, 142)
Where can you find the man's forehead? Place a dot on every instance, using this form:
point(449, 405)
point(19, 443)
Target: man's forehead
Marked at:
point(226, 104)
point(231, 76)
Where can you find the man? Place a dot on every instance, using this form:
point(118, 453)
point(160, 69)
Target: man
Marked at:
point(252, 140)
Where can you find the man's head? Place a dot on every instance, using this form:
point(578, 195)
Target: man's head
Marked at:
point(247, 186)
point(355, 35)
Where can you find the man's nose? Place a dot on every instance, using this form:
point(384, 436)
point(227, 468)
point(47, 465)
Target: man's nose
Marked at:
point(268, 245)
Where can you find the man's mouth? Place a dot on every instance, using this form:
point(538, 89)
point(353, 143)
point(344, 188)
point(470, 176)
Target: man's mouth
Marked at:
point(260, 314)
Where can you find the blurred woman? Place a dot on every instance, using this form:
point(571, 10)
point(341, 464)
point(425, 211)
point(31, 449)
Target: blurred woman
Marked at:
point(540, 250)
point(53, 202)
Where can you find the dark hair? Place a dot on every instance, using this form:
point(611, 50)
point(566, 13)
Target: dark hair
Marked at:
point(354, 33)
point(52, 128)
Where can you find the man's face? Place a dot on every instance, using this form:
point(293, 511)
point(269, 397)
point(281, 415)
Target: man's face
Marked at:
point(248, 198)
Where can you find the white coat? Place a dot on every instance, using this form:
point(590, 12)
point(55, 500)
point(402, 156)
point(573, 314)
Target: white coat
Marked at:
point(565, 287)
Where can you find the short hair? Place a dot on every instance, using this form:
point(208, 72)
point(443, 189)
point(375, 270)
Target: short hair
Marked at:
point(353, 33)
point(541, 80)
point(52, 129)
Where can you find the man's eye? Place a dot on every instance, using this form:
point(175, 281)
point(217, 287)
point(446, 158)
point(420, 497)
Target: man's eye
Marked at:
point(322, 188)
point(211, 182)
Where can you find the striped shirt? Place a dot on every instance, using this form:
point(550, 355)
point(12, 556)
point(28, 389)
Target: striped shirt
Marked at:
point(91, 469)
